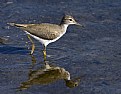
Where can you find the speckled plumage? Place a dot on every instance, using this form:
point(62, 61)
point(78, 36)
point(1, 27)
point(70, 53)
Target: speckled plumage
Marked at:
point(45, 31)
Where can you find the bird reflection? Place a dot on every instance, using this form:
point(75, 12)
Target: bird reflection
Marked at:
point(3, 40)
point(47, 75)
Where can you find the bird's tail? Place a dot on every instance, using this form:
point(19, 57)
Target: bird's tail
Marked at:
point(17, 25)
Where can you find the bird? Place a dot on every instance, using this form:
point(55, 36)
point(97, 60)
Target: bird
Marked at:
point(46, 33)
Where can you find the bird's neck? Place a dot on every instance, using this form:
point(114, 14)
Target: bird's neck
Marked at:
point(64, 27)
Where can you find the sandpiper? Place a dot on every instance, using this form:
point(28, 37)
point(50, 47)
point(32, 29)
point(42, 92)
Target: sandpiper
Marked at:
point(45, 32)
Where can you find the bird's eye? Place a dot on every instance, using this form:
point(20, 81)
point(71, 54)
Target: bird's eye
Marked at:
point(70, 19)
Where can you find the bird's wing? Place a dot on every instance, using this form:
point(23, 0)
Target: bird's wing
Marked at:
point(44, 31)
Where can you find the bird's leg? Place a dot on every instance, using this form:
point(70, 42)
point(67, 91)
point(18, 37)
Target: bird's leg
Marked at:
point(44, 53)
point(33, 46)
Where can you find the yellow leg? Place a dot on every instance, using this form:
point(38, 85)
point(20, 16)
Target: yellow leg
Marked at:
point(33, 46)
point(44, 53)
point(33, 59)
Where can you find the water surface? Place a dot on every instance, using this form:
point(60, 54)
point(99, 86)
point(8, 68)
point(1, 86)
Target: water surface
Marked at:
point(92, 53)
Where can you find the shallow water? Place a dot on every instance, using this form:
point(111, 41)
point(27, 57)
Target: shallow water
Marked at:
point(92, 53)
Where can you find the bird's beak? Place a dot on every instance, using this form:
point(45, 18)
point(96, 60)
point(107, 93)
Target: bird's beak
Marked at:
point(80, 25)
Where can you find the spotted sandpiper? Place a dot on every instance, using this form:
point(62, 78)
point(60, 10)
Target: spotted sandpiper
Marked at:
point(45, 32)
